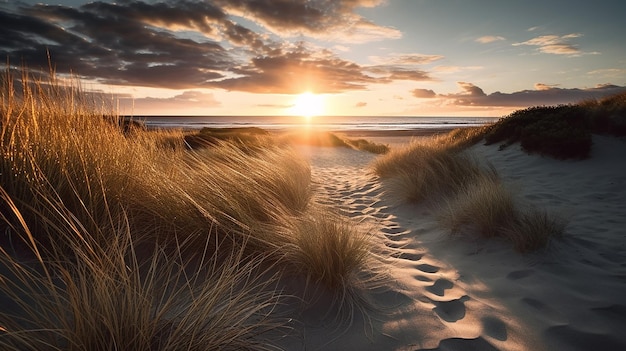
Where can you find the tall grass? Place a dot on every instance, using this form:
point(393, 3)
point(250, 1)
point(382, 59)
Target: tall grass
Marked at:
point(469, 198)
point(137, 242)
point(127, 295)
point(425, 168)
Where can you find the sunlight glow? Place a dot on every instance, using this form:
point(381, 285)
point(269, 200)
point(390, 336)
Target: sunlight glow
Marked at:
point(308, 105)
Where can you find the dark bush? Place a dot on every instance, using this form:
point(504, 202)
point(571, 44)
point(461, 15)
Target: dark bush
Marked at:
point(556, 131)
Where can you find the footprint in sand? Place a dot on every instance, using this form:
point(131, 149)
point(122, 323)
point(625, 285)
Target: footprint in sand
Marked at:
point(478, 344)
point(395, 230)
point(519, 274)
point(494, 327)
point(426, 268)
point(440, 286)
point(451, 311)
point(411, 256)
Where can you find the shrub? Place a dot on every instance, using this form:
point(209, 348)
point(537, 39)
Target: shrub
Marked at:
point(607, 115)
point(560, 132)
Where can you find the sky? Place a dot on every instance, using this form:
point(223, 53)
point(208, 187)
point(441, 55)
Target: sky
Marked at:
point(335, 57)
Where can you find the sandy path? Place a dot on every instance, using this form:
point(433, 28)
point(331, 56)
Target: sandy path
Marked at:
point(426, 302)
point(462, 294)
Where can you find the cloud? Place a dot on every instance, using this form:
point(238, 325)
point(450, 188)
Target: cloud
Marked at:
point(184, 44)
point(455, 69)
point(608, 72)
point(361, 104)
point(331, 20)
point(557, 45)
point(543, 94)
point(489, 39)
point(191, 100)
point(397, 59)
point(423, 93)
point(542, 86)
point(298, 70)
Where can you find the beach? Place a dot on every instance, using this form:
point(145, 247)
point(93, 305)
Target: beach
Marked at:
point(459, 293)
point(507, 236)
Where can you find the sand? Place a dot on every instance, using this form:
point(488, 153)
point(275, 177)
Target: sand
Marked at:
point(452, 293)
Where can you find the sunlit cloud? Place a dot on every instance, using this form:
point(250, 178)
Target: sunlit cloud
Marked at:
point(489, 39)
point(455, 69)
point(542, 86)
point(360, 104)
point(405, 59)
point(557, 45)
point(423, 93)
point(297, 71)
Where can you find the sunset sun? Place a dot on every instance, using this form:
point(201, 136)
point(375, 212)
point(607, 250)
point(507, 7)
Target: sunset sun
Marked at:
point(308, 105)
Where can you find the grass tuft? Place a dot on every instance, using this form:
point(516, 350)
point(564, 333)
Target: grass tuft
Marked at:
point(425, 168)
point(469, 198)
point(131, 240)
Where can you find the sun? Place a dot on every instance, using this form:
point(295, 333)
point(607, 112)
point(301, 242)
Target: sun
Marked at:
point(308, 105)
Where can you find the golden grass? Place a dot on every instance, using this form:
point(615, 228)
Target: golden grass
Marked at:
point(129, 296)
point(485, 206)
point(469, 198)
point(138, 242)
point(424, 168)
point(313, 137)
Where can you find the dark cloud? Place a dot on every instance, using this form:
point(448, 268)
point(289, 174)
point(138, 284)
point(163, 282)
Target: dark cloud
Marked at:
point(119, 43)
point(544, 94)
point(319, 18)
point(185, 44)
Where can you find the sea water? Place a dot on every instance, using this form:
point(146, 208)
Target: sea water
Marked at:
point(336, 123)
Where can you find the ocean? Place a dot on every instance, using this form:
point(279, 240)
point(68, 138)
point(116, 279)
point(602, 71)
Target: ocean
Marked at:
point(336, 123)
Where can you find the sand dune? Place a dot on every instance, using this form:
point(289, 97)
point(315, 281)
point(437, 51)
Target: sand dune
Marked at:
point(453, 293)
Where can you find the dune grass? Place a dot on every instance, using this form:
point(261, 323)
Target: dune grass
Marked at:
point(313, 137)
point(425, 168)
point(252, 138)
point(468, 198)
point(136, 239)
point(128, 296)
point(489, 209)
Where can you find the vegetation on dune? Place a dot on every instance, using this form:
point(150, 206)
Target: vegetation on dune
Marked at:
point(561, 131)
point(242, 136)
point(425, 168)
point(122, 295)
point(489, 209)
point(470, 198)
point(128, 239)
point(253, 137)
